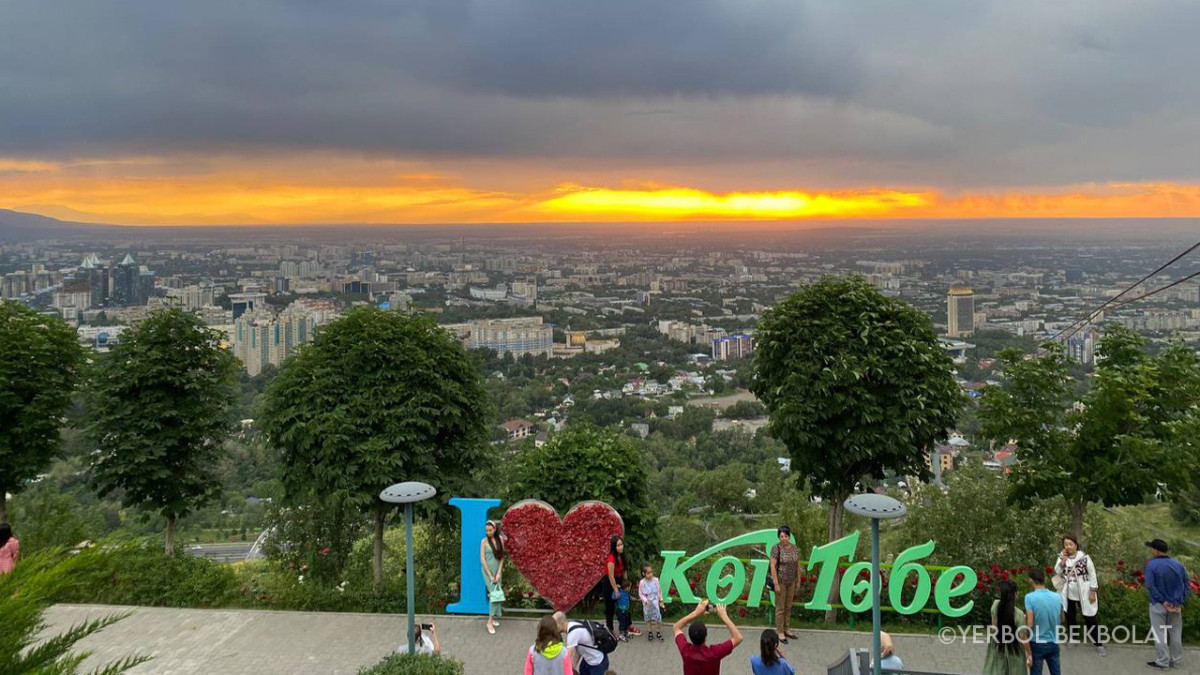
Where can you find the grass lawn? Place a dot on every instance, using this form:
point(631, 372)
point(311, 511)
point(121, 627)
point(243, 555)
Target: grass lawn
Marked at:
point(1157, 518)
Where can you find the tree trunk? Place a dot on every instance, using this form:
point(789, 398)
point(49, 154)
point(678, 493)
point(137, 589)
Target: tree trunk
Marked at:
point(377, 560)
point(836, 510)
point(170, 548)
point(1077, 511)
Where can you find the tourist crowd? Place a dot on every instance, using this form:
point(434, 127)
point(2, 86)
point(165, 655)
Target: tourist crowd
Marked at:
point(1022, 641)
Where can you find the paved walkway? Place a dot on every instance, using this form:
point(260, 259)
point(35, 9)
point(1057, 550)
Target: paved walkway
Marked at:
point(236, 642)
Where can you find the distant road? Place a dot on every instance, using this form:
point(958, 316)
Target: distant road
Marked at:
point(225, 553)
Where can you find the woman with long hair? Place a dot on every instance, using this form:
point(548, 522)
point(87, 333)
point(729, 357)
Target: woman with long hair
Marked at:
point(785, 575)
point(548, 655)
point(614, 567)
point(491, 556)
point(10, 549)
point(1008, 651)
point(770, 660)
point(1075, 577)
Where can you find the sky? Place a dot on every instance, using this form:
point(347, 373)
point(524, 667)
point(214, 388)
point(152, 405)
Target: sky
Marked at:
point(145, 112)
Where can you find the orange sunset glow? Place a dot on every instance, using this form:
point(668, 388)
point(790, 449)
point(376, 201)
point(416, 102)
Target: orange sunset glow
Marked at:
point(432, 198)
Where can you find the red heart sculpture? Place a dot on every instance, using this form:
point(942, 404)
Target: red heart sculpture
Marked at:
point(562, 559)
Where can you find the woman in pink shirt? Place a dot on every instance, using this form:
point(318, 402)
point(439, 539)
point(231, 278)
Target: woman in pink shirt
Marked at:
point(10, 549)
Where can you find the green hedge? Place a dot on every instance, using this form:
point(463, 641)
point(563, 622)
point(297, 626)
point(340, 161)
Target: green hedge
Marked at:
point(1124, 606)
point(415, 664)
point(139, 574)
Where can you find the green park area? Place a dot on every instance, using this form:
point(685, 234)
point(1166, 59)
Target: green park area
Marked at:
point(119, 464)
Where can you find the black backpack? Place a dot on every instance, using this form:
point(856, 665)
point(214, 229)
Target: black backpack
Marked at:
point(602, 637)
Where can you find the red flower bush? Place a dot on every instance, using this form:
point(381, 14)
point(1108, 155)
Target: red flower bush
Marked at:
point(562, 559)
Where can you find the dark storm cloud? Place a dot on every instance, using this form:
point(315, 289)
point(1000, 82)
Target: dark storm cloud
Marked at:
point(943, 91)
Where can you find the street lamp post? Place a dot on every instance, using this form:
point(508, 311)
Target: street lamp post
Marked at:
point(408, 494)
point(876, 507)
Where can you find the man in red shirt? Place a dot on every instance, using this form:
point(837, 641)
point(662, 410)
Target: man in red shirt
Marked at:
point(698, 657)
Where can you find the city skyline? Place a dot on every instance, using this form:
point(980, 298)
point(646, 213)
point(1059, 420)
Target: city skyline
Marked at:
point(529, 112)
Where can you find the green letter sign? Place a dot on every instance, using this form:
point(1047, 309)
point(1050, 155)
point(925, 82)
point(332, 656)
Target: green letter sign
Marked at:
point(727, 576)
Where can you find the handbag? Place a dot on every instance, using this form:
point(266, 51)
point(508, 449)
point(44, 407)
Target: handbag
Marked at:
point(497, 595)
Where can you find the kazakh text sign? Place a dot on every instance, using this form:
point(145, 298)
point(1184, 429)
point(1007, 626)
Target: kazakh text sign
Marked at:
point(728, 575)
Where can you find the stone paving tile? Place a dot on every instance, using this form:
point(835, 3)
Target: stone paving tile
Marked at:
point(187, 641)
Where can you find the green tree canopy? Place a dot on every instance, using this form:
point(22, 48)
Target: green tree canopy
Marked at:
point(586, 462)
point(40, 359)
point(1113, 445)
point(855, 384)
point(974, 525)
point(158, 414)
point(379, 397)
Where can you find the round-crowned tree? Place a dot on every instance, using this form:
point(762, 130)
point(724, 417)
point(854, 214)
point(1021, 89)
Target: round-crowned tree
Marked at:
point(377, 398)
point(40, 358)
point(856, 385)
point(158, 414)
point(585, 462)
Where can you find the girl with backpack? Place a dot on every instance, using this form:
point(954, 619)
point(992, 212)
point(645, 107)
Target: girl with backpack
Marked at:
point(548, 655)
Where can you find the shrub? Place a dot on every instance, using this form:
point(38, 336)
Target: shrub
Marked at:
point(415, 664)
point(24, 595)
point(313, 535)
point(138, 573)
point(974, 524)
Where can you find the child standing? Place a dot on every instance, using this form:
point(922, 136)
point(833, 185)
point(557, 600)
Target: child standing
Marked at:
point(652, 603)
point(623, 620)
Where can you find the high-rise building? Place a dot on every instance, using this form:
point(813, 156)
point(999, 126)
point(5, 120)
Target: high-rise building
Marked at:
point(246, 302)
point(96, 274)
point(14, 285)
point(73, 297)
point(1082, 347)
point(527, 335)
point(527, 290)
point(194, 296)
point(960, 312)
point(736, 346)
point(131, 286)
point(260, 339)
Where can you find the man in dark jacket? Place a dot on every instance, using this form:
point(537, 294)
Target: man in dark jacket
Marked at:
point(1167, 582)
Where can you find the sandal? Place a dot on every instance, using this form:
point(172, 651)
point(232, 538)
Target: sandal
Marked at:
point(491, 629)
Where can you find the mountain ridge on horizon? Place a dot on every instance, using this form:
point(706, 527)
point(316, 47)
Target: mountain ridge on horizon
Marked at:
point(21, 225)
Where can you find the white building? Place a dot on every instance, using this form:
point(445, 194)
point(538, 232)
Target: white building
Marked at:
point(193, 297)
point(261, 339)
point(521, 336)
point(960, 312)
